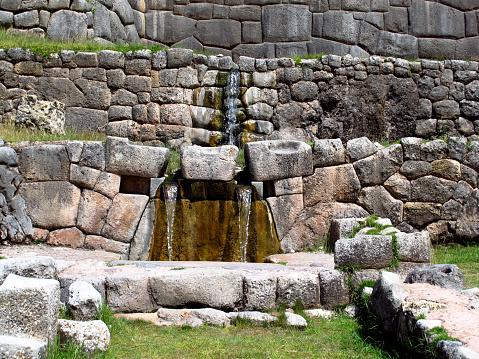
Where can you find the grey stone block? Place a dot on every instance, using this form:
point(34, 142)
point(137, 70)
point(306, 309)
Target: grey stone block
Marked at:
point(365, 251)
point(377, 200)
point(29, 307)
point(93, 155)
point(286, 22)
point(396, 20)
point(128, 293)
point(85, 119)
point(219, 32)
point(33, 267)
point(199, 11)
point(124, 11)
point(6, 18)
point(377, 168)
point(199, 163)
point(260, 291)
point(376, 19)
point(300, 286)
point(124, 158)
point(401, 45)
point(349, 31)
point(359, 148)
point(218, 288)
point(429, 19)
point(16, 347)
point(446, 109)
point(26, 19)
point(465, 48)
point(166, 28)
point(291, 49)
point(328, 152)
point(414, 247)
point(369, 36)
point(436, 48)
point(269, 160)
point(245, 13)
point(66, 25)
point(251, 32)
point(444, 275)
point(355, 5)
point(110, 59)
point(333, 288)
point(44, 163)
point(140, 245)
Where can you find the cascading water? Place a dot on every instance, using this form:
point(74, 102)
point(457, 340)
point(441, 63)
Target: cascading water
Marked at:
point(171, 191)
point(244, 208)
point(232, 92)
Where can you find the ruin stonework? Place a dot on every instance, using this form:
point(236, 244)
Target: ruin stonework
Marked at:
point(273, 28)
point(177, 97)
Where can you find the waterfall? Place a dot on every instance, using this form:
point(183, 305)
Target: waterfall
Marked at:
point(244, 207)
point(170, 191)
point(232, 92)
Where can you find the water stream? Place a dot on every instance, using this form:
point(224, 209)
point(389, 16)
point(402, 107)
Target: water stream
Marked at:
point(244, 208)
point(171, 191)
point(231, 93)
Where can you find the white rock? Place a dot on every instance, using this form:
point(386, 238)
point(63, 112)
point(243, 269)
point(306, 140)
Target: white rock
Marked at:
point(84, 301)
point(295, 320)
point(93, 336)
point(319, 313)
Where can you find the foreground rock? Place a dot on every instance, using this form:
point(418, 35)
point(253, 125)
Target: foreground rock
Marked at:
point(208, 164)
point(192, 317)
point(34, 267)
point(84, 301)
point(444, 275)
point(93, 336)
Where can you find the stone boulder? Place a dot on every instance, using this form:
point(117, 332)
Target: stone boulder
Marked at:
point(256, 318)
point(47, 116)
point(15, 347)
point(29, 307)
point(128, 293)
point(360, 148)
point(271, 160)
point(328, 152)
point(414, 247)
point(298, 286)
point(333, 288)
point(444, 275)
point(124, 158)
point(44, 163)
point(365, 251)
point(377, 168)
point(192, 317)
point(259, 291)
point(208, 163)
point(67, 25)
point(84, 301)
point(31, 267)
point(93, 336)
point(388, 295)
point(379, 201)
point(467, 223)
point(219, 289)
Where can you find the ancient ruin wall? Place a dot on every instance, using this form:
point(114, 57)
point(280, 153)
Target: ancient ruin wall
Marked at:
point(177, 97)
point(262, 28)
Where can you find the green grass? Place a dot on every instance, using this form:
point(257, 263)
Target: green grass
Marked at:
point(47, 46)
point(465, 257)
point(11, 133)
point(338, 338)
point(174, 163)
point(241, 160)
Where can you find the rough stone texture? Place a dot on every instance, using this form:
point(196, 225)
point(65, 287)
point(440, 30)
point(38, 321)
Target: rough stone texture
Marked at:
point(69, 237)
point(377, 200)
point(467, 221)
point(93, 336)
point(92, 212)
point(44, 115)
point(377, 168)
point(416, 169)
point(192, 317)
point(123, 217)
point(286, 22)
point(51, 204)
point(432, 189)
point(214, 164)
point(38, 267)
point(29, 307)
point(15, 347)
point(414, 247)
point(125, 158)
point(333, 288)
point(328, 152)
point(83, 176)
point(256, 318)
point(259, 291)
point(84, 301)
point(285, 210)
point(420, 213)
point(298, 286)
point(388, 295)
point(365, 251)
point(287, 186)
point(67, 25)
point(270, 160)
point(338, 183)
point(44, 163)
point(140, 245)
point(220, 289)
point(360, 148)
point(129, 293)
point(444, 275)
point(398, 186)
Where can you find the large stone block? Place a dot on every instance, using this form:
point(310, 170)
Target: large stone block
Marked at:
point(215, 288)
point(51, 205)
point(428, 19)
point(164, 27)
point(128, 293)
point(377, 200)
point(60, 89)
point(436, 48)
point(359, 148)
point(124, 158)
point(334, 183)
point(140, 245)
point(208, 164)
point(299, 286)
point(285, 210)
point(443, 275)
point(32, 267)
point(15, 347)
point(93, 336)
point(414, 247)
point(92, 212)
point(123, 217)
point(67, 25)
point(466, 226)
point(432, 189)
point(401, 45)
point(347, 33)
point(219, 32)
point(379, 167)
point(419, 214)
point(328, 152)
point(286, 22)
point(259, 291)
point(29, 307)
point(67, 237)
point(333, 288)
point(45, 163)
point(270, 160)
point(176, 114)
point(365, 251)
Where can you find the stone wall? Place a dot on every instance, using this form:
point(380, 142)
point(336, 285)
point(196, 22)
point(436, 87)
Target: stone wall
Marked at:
point(273, 28)
point(177, 97)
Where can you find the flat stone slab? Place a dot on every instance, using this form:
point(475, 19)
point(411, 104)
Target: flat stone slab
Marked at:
point(208, 163)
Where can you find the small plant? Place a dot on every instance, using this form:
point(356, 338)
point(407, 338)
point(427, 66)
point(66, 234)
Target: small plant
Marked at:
point(241, 160)
point(1, 257)
point(283, 263)
point(174, 164)
point(178, 268)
